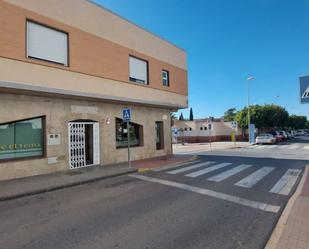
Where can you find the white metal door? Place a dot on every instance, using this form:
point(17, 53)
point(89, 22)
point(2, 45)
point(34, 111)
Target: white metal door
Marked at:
point(96, 143)
point(77, 144)
point(77, 156)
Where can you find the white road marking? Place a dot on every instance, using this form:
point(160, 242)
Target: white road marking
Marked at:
point(284, 146)
point(259, 147)
point(176, 171)
point(207, 170)
point(174, 166)
point(231, 198)
point(286, 182)
point(255, 177)
point(272, 146)
point(190, 152)
point(294, 147)
point(226, 174)
point(306, 147)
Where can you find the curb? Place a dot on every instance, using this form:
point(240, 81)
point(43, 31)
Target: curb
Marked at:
point(193, 158)
point(63, 186)
point(142, 170)
point(277, 232)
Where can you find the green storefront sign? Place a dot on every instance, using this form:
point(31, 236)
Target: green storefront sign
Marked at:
point(21, 139)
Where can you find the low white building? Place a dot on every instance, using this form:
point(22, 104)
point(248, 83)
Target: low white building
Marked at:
point(205, 130)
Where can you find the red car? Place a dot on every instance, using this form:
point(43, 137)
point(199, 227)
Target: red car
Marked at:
point(279, 138)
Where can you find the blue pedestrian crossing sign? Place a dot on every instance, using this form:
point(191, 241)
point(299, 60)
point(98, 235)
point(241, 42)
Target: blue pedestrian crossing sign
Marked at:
point(304, 89)
point(126, 114)
point(234, 124)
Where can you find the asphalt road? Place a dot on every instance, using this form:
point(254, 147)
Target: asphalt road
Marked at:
point(217, 206)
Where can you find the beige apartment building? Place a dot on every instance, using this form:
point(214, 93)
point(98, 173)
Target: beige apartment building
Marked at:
point(67, 70)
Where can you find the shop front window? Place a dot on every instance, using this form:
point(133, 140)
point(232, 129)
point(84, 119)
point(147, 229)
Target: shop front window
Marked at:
point(22, 139)
point(136, 134)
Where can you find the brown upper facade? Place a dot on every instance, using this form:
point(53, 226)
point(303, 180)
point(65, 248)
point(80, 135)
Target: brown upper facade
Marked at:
point(100, 51)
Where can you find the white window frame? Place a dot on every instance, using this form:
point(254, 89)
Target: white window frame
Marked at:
point(138, 76)
point(165, 78)
point(46, 43)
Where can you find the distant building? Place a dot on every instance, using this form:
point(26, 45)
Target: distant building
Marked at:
point(205, 130)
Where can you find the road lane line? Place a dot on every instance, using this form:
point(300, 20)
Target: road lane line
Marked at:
point(284, 146)
point(259, 147)
point(255, 177)
point(226, 174)
point(193, 152)
point(294, 147)
point(207, 170)
point(176, 171)
point(286, 182)
point(222, 196)
point(271, 146)
point(166, 167)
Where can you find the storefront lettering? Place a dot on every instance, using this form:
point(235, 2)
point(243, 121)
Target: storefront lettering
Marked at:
point(6, 147)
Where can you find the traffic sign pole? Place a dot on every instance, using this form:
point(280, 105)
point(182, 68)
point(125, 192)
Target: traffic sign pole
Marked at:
point(128, 135)
point(126, 116)
point(234, 127)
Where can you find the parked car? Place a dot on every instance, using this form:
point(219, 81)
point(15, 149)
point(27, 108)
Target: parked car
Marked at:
point(284, 134)
point(279, 138)
point(300, 133)
point(293, 133)
point(290, 136)
point(265, 138)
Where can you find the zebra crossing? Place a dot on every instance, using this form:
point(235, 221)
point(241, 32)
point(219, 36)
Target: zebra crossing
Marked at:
point(287, 181)
point(280, 147)
point(256, 147)
point(281, 186)
point(228, 173)
point(195, 166)
point(254, 178)
point(208, 170)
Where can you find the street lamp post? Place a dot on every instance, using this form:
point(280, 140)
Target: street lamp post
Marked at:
point(248, 104)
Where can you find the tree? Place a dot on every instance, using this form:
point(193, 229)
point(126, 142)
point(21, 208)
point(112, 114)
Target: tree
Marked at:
point(230, 115)
point(274, 116)
point(191, 114)
point(297, 122)
point(264, 117)
point(173, 117)
point(181, 117)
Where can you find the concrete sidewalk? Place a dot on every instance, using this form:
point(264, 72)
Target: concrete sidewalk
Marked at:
point(21, 187)
point(292, 229)
point(214, 146)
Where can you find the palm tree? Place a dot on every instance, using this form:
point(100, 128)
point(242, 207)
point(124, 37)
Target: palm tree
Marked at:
point(173, 117)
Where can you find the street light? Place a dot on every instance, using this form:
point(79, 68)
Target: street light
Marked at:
point(276, 97)
point(248, 85)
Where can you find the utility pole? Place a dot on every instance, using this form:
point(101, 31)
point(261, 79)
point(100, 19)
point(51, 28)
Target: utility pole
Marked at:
point(248, 105)
point(128, 135)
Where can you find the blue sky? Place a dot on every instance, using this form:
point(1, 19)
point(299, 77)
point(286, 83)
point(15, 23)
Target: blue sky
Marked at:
point(226, 41)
